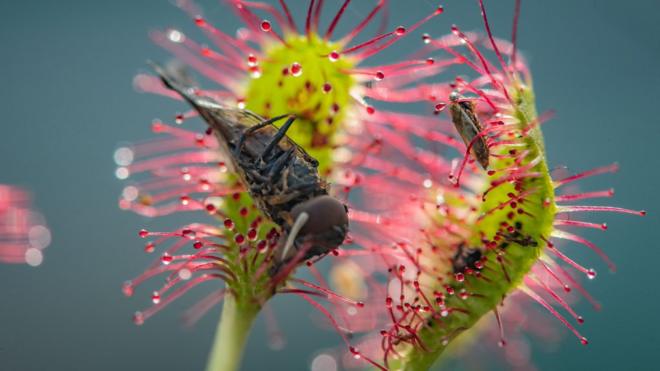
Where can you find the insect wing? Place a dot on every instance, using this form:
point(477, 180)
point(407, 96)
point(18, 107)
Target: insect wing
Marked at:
point(468, 126)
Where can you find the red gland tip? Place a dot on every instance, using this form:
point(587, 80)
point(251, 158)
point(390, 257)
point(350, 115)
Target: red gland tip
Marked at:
point(199, 21)
point(333, 56)
point(426, 38)
point(138, 318)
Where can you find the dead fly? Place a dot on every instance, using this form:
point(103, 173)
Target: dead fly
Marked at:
point(469, 127)
point(465, 257)
point(281, 177)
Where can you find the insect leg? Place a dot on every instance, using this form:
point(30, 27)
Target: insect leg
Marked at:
point(254, 128)
point(280, 134)
point(279, 164)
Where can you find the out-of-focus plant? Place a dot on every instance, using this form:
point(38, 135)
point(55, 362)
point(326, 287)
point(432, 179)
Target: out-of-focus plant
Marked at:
point(23, 231)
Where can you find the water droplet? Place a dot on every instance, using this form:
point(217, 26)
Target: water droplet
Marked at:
point(439, 107)
point(370, 110)
point(580, 320)
point(324, 362)
point(166, 259)
point(379, 75)
point(426, 38)
point(501, 343)
point(229, 224)
point(427, 183)
point(591, 274)
point(252, 234)
point(356, 353)
point(178, 119)
point(439, 10)
point(143, 233)
point(155, 297)
point(252, 60)
point(127, 288)
point(33, 257)
point(185, 200)
point(240, 103)
point(122, 173)
point(199, 21)
point(138, 318)
point(327, 87)
point(198, 245)
point(266, 26)
point(255, 72)
point(460, 277)
point(123, 156)
point(430, 61)
point(333, 56)
point(388, 302)
point(400, 31)
point(296, 69)
point(185, 274)
point(176, 36)
point(188, 233)
point(584, 341)
point(149, 247)
point(239, 238)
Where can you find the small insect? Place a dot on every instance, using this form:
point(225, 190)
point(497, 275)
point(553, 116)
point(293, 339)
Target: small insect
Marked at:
point(465, 257)
point(281, 177)
point(468, 126)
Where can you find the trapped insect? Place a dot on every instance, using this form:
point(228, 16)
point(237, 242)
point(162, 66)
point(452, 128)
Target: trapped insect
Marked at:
point(465, 257)
point(281, 177)
point(469, 127)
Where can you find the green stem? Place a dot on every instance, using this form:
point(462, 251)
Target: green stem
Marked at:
point(232, 334)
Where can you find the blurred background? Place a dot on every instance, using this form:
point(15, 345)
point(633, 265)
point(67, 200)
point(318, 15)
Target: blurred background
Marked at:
point(67, 102)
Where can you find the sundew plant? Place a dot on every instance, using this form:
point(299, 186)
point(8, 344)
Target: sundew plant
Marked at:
point(24, 233)
point(453, 212)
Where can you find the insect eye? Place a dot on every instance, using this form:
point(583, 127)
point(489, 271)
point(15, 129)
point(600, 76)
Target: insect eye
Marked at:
point(324, 213)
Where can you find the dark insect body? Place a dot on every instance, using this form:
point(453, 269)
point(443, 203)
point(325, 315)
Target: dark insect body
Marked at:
point(281, 177)
point(465, 257)
point(469, 127)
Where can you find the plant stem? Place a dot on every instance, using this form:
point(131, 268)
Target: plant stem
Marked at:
point(232, 334)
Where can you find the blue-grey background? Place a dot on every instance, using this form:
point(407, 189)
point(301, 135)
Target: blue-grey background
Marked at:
point(66, 102)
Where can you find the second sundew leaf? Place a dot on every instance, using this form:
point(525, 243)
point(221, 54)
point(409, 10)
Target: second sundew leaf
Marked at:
point(509, 221)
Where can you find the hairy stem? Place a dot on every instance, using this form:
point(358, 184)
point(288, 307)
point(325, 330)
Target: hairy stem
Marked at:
point(231, 336)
